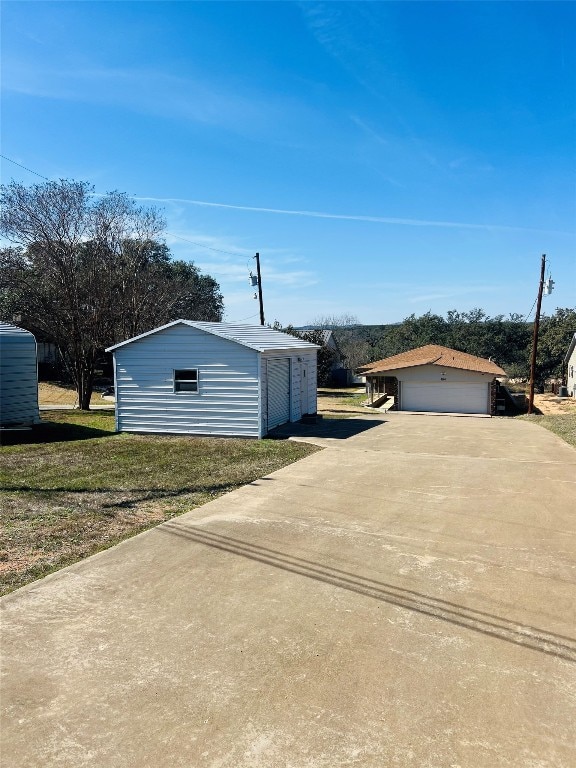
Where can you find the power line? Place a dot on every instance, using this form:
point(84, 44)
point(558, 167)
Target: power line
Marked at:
point(243, 318)
point(171, 234)
point(201, 245)
point(531, 308)
point(23, 166)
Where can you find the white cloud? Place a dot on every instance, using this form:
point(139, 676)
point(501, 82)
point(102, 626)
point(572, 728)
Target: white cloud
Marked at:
point(231, 263)
point(235, 106)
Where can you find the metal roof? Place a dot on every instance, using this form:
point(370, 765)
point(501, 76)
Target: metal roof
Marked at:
point(7, 329)
point(257, 337)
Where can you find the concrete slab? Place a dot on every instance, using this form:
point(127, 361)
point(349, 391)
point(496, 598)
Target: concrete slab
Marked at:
point(403, 597)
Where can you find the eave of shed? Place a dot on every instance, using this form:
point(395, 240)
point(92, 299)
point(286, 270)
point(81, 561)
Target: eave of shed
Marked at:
point(256, 337)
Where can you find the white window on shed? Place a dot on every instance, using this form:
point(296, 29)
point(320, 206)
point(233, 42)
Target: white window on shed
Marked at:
point(186, 380)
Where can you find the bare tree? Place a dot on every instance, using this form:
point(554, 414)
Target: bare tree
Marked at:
point(88, 271)
point(329, 322)
point(343, 325)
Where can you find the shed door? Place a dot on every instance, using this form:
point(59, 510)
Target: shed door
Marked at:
point(278, 391)
point(445, 397)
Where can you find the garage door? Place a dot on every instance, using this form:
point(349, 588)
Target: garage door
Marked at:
point(445, 397)
point(278, 391)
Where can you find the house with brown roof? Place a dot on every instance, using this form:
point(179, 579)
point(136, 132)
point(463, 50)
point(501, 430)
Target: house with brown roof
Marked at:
point(434, 379)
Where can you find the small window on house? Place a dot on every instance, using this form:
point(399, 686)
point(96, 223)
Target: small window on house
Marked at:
point(186, 380)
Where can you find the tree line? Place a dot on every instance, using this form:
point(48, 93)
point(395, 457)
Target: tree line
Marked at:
point(90, 271)
point(326, 358)
point(505, 340)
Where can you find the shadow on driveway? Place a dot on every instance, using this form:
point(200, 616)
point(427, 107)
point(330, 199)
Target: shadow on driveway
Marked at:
point(443, 610)
point(338, 429)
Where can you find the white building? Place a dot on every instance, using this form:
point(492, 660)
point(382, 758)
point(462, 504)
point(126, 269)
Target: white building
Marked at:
point(199, 378)
point(435, 379)
point(570, 367)
point(18, 377)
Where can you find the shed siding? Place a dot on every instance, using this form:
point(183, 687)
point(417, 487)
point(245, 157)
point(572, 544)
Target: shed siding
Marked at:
point(312, 382)
point(295, 384)
point(226, 403)
point(263, 397)
point(18, 377)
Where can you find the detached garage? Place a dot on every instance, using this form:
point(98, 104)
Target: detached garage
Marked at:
point(222, 379)
point(435, 379)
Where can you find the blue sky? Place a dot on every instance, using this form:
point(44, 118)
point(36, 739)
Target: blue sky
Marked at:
point(385, 158)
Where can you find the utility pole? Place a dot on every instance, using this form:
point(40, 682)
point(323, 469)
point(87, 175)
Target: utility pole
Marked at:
point(257, 257)
point(535, 339)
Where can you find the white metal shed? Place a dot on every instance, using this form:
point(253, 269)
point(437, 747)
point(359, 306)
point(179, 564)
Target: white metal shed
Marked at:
point(18, 377)
point(199, 378)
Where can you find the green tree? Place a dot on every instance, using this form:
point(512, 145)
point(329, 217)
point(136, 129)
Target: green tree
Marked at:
point(415, 332)
point(505, 340)
point(502, 340)
point(147, 288)
point(326, 355)
point(554, 337)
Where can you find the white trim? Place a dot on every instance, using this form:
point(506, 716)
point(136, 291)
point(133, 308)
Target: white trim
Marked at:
point(116, 408)
point(290, 390)
point(261, 432)
point(143, 335)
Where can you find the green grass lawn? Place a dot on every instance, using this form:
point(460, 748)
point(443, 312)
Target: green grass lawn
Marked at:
point(353, 399)
point(72, 487)
point(562, 424)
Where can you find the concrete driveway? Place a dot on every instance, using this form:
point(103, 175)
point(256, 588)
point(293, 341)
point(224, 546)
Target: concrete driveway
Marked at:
point(404, 597)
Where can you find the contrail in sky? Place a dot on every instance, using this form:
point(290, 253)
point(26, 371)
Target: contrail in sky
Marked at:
point(351, 217)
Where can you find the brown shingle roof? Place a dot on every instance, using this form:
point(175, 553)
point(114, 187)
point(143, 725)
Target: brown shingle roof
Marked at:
point(433, 354)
